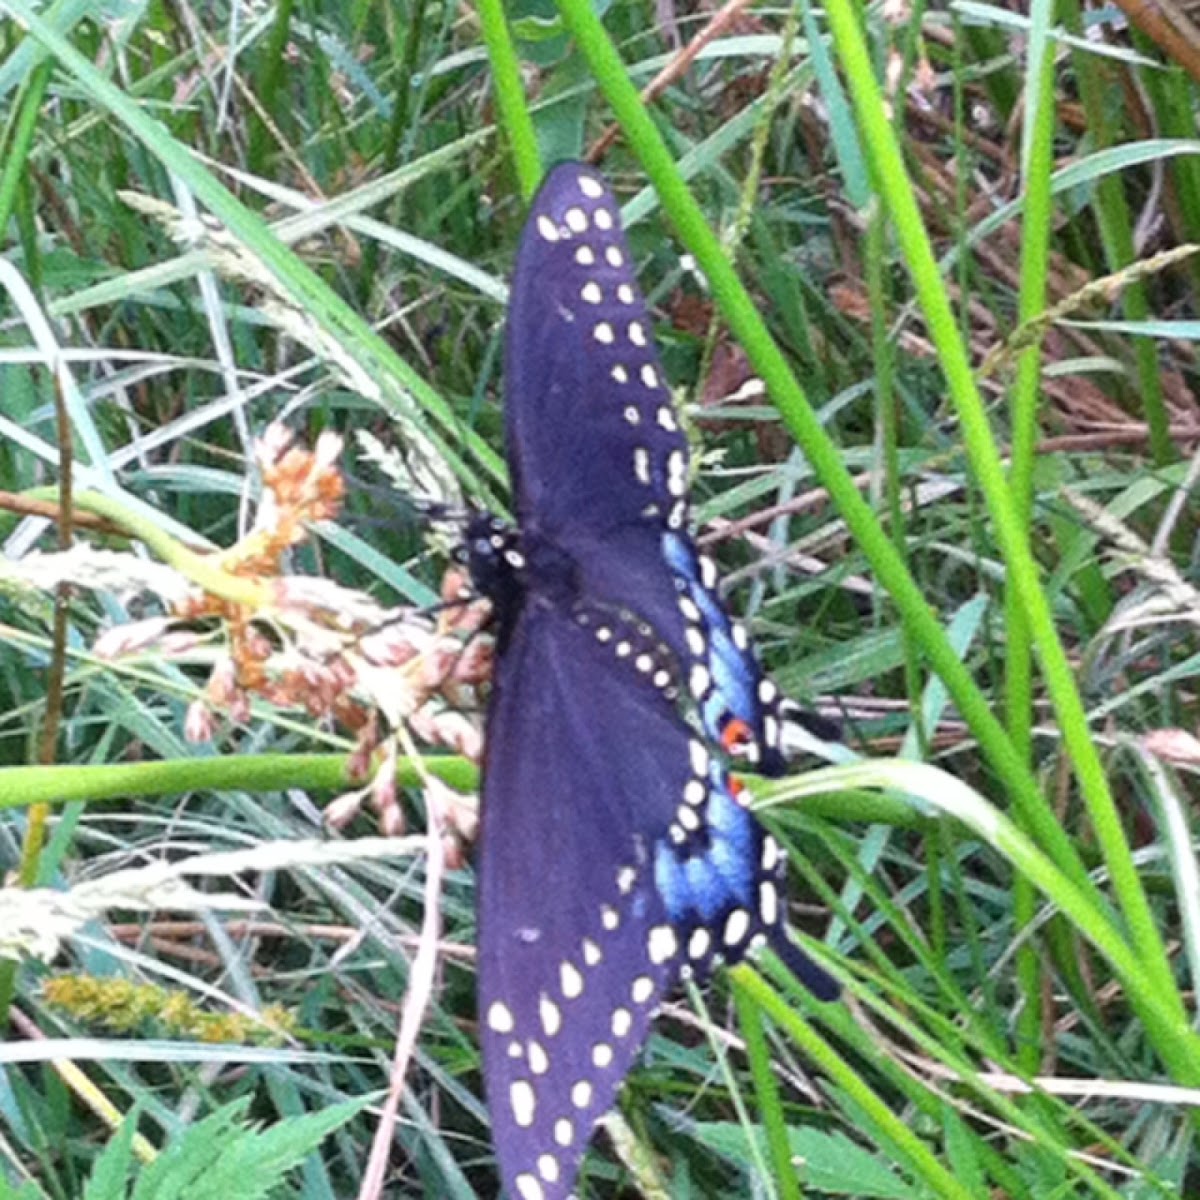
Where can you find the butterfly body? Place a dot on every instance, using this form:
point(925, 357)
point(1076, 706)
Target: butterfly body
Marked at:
point(617, 854)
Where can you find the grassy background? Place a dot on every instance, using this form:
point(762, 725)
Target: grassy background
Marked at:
point(955, 242)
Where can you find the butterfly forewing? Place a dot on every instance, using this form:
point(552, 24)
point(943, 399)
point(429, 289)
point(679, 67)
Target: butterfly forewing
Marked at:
point(586, 763)
point(597, 453)
point(593, 441)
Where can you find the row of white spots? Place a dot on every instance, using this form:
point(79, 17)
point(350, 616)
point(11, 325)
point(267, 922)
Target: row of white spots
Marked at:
point(585, 256)
point(650, 656)
point(649, 377)
point(663, 942)
point(593, 293)
point(604, 332)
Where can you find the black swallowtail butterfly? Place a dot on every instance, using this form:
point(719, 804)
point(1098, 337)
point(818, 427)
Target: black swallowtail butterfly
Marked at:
point(615, 854)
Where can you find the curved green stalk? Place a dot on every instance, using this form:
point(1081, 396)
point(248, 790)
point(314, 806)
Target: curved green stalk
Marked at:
point(888, 1126)
point(23, 786)
point(922, 623)
point(511, 106)
point(989, 472)
point(1037, 164)
point(759, 1055)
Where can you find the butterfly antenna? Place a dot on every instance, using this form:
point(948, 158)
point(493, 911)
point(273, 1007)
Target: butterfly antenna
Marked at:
point(438, 512)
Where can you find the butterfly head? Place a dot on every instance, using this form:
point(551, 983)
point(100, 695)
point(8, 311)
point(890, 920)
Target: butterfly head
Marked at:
point(491, 552)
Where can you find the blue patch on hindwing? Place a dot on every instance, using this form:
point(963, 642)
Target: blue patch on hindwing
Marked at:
point(735, 674)
point(716, 871)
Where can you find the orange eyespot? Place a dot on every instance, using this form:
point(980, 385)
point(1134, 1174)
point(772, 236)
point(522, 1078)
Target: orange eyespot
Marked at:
point(736, 734)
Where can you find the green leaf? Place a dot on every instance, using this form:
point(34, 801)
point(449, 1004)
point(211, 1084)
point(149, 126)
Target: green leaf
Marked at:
point(220, 1158)
point(111, 1171)
point(827, 1162)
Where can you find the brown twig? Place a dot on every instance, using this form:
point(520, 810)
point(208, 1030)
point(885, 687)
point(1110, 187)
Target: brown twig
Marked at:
point(1169, 28)
point(721, 20)
point(27, 506)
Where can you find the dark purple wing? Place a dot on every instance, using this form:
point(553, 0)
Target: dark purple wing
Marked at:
point(599, 464)
point(593, 442)
point(614, 854)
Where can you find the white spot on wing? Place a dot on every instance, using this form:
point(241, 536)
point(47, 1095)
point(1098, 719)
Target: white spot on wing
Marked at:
point(550, 1014)
point(737, 925)
point(547, 228)
point(642, 989)
point(662, 944)
point(770, 854)
point(529, 1188)
point(500, 1017)
point(768, 902)
point(571, 980)
point(592, 188)
point(539, 1061)
point(524, 1102)
point(576, 220)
